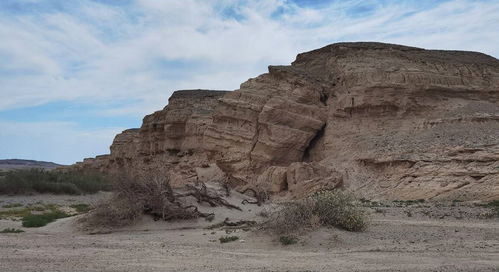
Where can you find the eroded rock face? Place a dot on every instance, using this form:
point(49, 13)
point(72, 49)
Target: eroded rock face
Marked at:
point(169, 142)
point(391, 121)
point(270, 121)
point(385, 121)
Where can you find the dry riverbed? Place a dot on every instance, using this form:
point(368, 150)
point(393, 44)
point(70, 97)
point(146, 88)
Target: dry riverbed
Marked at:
point(402, 237)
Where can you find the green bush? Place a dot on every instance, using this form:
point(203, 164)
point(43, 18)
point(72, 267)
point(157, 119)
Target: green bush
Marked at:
point(40, 220)
point(338, 209)
point(494, 206)
point(327, 208)
point(11, 230)
point(409, 202)
point(288, 240)
point(227, 239)
point(26, 181)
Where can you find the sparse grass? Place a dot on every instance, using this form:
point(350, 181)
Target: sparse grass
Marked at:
point(40, 208)
point(12, 205)
point(327, 208)
point(40, 220)
point(228, 239)
point(11, 230)
point(15, 213)
point(81, 207)
point(34, 215)
point(288, 240)
point(26, 181)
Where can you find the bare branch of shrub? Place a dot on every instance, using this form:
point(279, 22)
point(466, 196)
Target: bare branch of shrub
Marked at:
point(154, 196)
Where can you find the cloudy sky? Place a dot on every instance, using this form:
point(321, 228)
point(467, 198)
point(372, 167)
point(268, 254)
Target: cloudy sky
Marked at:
point(75, 73)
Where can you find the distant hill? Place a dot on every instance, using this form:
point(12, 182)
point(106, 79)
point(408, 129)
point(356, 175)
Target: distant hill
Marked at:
point(23, 164)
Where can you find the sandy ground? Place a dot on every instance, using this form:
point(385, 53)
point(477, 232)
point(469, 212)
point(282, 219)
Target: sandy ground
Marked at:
point(422, 237)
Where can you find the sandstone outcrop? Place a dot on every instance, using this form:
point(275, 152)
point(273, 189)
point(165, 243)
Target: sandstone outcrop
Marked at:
point(382, 120)
point(169, 142)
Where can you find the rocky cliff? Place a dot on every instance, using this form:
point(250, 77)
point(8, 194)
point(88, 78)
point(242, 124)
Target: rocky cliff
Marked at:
point(382, 120)
point(169, 142)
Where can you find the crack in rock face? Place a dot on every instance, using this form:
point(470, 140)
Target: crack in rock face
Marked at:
point(382, 120)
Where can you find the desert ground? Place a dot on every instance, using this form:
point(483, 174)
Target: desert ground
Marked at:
point(402, 236)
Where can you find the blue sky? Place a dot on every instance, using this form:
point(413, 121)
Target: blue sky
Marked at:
point(75, 73)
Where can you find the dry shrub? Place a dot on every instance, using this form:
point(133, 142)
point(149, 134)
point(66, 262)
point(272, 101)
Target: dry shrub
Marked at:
point(132, 198)
point(327, 208)
point(156, 197)
point(114, 213)
point(292, 218)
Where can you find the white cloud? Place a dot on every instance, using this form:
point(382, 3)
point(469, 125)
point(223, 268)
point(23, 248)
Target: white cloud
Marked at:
point(96, 53)
point(107, 52)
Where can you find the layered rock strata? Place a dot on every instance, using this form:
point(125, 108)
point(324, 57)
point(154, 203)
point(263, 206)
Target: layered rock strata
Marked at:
point(169, 142)
point(382, 120)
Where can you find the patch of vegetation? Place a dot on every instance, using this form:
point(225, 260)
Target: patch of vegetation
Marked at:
point(338, 209)
point(228, 239)
point(34, 215)
point(409, 202)
point(81, 207)
point(327, 208)
point(494, 206)
point(11, 230)
point(41, 207)
point(40, 220)
point(12, 205)
point(25, 181)
point(369, 203)
point(378, 210)
point(455, 202)
point(288, 240)
point(15, 213)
